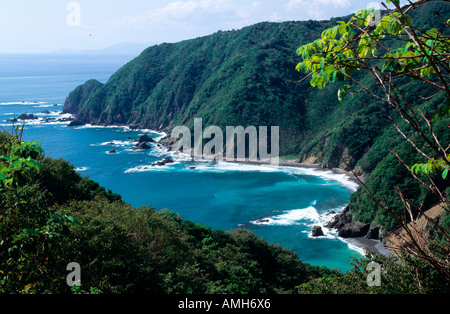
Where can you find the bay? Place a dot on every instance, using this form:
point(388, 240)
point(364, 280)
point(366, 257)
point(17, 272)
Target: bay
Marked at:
point(279, 204)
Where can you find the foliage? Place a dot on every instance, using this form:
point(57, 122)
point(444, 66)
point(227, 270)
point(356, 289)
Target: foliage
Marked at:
point(373, 46)
point(244, 77)
point(393, 50)
point(57, 217)
point(395, 278)
point(125, 250)
point(18, 162)
point(50, 216)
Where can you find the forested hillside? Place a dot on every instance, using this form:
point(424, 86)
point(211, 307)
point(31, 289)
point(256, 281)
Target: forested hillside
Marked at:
point(245, 77)
point(50, 216)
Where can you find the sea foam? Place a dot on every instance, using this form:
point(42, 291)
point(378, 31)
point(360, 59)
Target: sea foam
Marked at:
point(302, 216)
point(328, 175)
point(24, 103)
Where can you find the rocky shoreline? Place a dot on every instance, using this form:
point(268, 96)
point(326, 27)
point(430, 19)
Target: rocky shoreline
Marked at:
point(364, 236)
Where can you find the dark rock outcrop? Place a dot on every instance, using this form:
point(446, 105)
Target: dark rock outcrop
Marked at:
point(163, 162)
point(347, 227)
point(76, 123)
point(317, 231)
point(341, 219)
point(354, 230)
point(141, 146)
point(374, 232)
point(146, 138)
point(25, 116)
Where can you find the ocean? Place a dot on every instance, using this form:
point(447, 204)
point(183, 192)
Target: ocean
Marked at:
point(279, 204)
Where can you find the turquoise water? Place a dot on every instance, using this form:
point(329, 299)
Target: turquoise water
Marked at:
point(279, 204)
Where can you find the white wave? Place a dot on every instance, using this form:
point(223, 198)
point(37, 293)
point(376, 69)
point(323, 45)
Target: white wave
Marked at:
point(51, 113)
point(21, 103)
point(308, 217)
point(160, 136)
point(124, 128)
point(328, 175)
point(292, 217)
point(79, 169)
point(60, 119)
point(114, 143)
point(48, 106)
point(222, 166)
point(90, 126)
point(153, 167)
point(146, 168)
point(353, 247)
point(142, 168)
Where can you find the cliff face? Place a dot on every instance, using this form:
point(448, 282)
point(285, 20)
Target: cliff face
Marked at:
point(228, 78)
point(243, 78)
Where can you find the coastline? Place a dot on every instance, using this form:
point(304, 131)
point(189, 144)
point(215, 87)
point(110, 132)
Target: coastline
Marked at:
point(363, 243)
point(358, 244)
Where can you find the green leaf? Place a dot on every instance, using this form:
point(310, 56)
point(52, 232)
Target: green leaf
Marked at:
point(342, 91)
point(32, 231)
point(445, 173)
point(424, 168)
point(33, 163)
point(397, 2)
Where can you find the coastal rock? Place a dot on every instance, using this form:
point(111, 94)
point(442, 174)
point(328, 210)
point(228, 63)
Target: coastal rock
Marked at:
point(145, 138)
point(113, 151)
point(142, 146)
point(340, 220)
point(317, 231)
point(354, 230)
point(373, 233)
point(76, 123)
point(347, 227)
point(25, 116)
point(163, 162)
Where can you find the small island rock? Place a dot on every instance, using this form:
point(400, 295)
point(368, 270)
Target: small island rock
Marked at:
point(317, 231)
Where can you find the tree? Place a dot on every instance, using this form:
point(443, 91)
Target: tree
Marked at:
point(393, 50)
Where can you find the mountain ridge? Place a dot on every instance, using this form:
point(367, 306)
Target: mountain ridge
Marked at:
point(244, 77)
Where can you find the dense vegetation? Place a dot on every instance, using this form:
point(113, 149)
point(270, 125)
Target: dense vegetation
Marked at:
point(243, 77)
point(394, 51)
point(51, 216)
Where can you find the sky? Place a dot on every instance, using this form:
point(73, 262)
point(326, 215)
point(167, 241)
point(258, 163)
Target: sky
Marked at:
point(42, 26)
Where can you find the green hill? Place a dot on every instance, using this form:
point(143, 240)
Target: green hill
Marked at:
point(244, 77)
